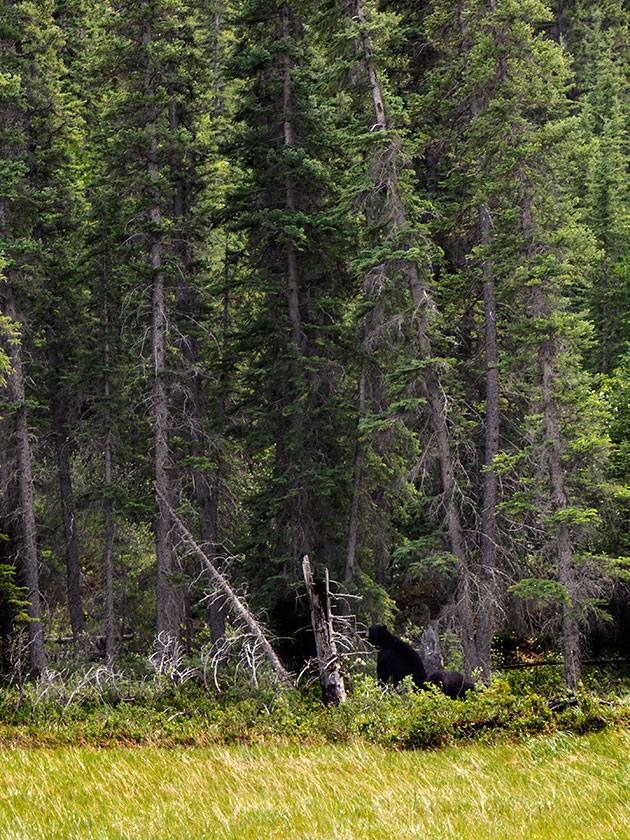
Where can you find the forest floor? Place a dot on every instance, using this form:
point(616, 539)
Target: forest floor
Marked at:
point(559, 786)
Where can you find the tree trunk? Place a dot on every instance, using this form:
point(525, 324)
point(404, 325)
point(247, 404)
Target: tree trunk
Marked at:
point(30, 563)
point(205, 486)
point(375, 87)
point(488, 559)
point(605, 317)
point(547, 354)
point(289, 186)
point(435, 398)
point(110, 615)
point(353, 525)
point(420, 296)
point(431, 650)
point(333, 688)
point(486, 580)
point(168, 607)
point(64, 475)
point(231, 598)
point(217, 57)
point(8, 537)
point(297, 515)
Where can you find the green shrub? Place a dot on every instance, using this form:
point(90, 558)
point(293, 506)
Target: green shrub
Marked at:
point(94, 708)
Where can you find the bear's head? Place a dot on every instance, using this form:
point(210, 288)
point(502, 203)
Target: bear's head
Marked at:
point(378, 635)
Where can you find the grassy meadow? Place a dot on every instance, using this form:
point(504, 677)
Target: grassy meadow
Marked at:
point(559, 786)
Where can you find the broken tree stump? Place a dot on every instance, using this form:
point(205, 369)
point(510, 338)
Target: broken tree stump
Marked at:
point(330, 677)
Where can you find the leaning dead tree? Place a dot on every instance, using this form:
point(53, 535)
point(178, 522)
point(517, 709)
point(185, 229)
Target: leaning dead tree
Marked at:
point(333, 688)
point(231, 597)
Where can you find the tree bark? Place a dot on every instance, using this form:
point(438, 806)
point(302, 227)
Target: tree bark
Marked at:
point(547, 354)
point(297, 514)
point(605, 317)
point(217, 57)
point(431, 650)
point(205, 486)
point(333, 688)
point(488, 558)
point(8, 537)
point(64, 475)
point(421, 299)
point(486, 578)
point(168, 607)
point(375, 87)
point(353, 525)
point(110, 615)
point(293, 294)
point(30, 561)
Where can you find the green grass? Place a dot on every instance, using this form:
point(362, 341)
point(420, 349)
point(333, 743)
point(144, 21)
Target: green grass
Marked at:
point(558, 786)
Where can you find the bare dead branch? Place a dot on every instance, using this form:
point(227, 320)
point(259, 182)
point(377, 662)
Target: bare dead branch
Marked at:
point(232, 599)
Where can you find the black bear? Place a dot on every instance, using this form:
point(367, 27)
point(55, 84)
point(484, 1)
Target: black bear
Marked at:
point(452, 683)
point(396, 659)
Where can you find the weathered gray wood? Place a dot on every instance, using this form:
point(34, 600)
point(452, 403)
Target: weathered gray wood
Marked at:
point(330, 676)
point(431, 650)
point(29, 554)
point(231, 598)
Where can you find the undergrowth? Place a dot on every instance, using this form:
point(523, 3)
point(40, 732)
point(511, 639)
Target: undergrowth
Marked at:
point(99, 708)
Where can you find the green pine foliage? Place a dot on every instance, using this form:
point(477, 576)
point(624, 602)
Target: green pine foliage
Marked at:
point(295, 373)
point(231, 150)
point(510, 148)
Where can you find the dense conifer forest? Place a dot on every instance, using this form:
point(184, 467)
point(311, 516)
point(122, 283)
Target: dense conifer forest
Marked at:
point(342, 278)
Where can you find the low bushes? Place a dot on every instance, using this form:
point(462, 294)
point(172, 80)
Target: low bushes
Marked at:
point(99, 708)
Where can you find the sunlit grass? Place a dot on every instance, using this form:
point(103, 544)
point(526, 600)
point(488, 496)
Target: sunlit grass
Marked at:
point(559, 787)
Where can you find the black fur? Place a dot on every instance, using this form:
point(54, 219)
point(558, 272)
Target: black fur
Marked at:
point(452, 683)
point(396, 659)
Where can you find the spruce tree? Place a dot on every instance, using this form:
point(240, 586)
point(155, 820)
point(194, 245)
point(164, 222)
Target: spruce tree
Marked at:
point(601, 183)
point(153, 56)
point(403, 253)
point(293, 283)
point(510, 158)
point(40, 139)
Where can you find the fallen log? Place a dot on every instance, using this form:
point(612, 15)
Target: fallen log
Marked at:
point(97, 640)
point(516, 665)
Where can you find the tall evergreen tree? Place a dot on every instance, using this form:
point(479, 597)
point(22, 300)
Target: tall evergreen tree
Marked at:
point(154, 53)
point(39, 152)
point(511, 157)
point(395, 225)
point(602, 182)
point(295, 282)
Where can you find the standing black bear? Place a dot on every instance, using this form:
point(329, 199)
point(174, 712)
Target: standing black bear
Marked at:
point(397, 660)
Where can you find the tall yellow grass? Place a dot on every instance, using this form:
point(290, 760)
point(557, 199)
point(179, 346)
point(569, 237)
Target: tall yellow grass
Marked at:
point(557, 788)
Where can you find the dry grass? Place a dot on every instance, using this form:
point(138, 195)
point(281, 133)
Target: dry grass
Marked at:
point(558, 787)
